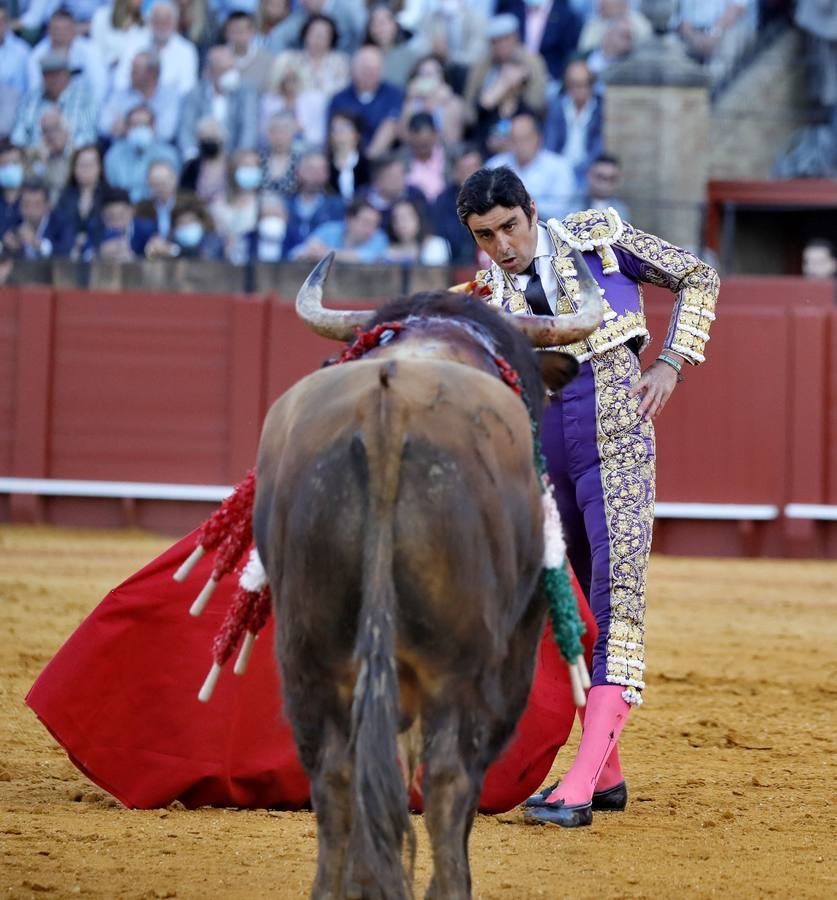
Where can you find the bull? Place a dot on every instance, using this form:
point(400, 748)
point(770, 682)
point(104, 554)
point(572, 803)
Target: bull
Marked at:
point(398, 516)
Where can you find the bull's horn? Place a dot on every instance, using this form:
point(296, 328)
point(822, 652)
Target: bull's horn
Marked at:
point(552, 331)
point(339, 324)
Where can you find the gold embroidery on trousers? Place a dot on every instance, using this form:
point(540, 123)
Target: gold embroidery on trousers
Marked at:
point(627, 474)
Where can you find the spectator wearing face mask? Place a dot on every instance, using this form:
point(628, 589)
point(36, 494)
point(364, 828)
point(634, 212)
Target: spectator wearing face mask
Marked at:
point(220, 95)
point(128, 160)
point(40, 234)
point(206, 174)
point(191, 236)
point(145, 90)
point(11, 181)
point(237, 214)
point(265, 243)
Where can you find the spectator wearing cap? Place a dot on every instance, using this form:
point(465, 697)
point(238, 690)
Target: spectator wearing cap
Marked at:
point(12, 173)
point(60, 88)
point(550, 28)
point(253, 63)
point(426, 160)
point(14, 65)
point(548, 176)
point(574, 119)
point(145, 90)
point(510, 78)
point(178, 56)
point(220, 95)
point(128, 160)
point(40, 234)
point(62, 39)
point(117, 30)
point(375, 102)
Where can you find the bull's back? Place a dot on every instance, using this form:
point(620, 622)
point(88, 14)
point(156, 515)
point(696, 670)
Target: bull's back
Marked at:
point(466, 518)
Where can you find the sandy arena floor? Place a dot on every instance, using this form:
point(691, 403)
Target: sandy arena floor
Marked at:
point(730, 762)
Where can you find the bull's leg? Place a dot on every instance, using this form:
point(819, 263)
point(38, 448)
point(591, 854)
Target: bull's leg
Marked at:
point(330, 784)
point(451, 793)
point(321, 735)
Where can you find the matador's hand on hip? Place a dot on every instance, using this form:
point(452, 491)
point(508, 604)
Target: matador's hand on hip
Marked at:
point(655, 385)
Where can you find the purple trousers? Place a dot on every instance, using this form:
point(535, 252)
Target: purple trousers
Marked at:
point(601, 459)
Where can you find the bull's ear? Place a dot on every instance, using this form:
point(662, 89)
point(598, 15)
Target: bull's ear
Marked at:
point(557, 369)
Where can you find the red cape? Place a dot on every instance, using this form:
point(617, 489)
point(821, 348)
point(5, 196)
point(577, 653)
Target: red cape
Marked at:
point(121, 697)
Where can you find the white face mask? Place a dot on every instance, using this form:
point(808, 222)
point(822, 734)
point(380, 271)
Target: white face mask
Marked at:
point(272, 228)
point(229, 81)
point(140, 136)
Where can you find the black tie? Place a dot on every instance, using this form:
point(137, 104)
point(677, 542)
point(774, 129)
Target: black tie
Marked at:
point(534, 293)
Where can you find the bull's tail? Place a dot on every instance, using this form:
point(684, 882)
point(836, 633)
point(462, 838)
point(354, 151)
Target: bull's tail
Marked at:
point(380, 819)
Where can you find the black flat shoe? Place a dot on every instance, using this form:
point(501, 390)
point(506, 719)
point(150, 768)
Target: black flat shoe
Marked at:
point(558, 813)
point(614, 799)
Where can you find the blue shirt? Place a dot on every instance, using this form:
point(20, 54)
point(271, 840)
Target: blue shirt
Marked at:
point(14, 58)
point(127, 167)
point(385, 104)
point(333, 235)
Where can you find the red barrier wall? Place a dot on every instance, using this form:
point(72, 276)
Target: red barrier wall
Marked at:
point(173, 388)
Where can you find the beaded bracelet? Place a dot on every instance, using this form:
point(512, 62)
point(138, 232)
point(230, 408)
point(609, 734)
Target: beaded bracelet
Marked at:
point(670, 361)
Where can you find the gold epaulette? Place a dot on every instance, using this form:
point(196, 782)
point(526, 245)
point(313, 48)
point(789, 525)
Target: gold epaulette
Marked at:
point(592, 229)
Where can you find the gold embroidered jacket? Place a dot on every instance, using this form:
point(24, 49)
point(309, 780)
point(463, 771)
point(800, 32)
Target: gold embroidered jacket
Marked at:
point(625, 257)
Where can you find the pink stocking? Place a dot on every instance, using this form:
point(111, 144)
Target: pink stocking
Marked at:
point(612, 772)
point(604, 719)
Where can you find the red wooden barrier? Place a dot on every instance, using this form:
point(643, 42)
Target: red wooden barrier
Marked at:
point(173, 388)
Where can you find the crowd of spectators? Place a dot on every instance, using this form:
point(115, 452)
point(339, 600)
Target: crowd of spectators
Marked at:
point(269, 130)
